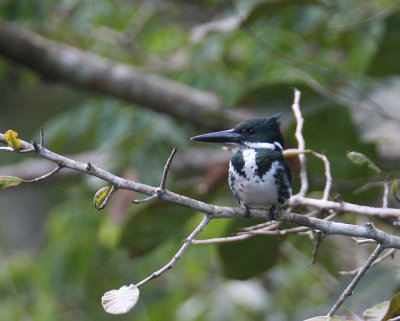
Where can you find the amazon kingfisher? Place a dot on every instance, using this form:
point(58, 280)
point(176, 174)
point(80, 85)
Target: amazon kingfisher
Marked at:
point(259, 176)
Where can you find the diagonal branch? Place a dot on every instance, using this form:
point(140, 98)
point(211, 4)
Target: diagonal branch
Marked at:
point(161, 188)
point(229, 212)
point(349, 290)
point(179, 254)
point(88, 71)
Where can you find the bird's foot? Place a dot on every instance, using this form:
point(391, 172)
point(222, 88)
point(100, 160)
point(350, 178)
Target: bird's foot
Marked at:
point(272, 213)
point(247, 211)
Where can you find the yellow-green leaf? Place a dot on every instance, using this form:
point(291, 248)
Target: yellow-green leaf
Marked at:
point(9, 181)
point(100, 196)
point(361, 159)
point(12, 140)
point(395, 190)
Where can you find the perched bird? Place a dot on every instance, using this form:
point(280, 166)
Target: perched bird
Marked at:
point(259, 176)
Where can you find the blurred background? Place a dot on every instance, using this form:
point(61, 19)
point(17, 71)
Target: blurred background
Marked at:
point(58, 255)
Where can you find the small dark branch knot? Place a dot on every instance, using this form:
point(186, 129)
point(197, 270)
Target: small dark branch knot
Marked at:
point(370, 226)
point(37, 147)
point(89, 167)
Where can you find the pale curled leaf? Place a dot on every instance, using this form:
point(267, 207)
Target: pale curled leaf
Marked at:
point(12, 140)
point(100, 196)
point(120, 301)
point(361, 159)
point(9, 181)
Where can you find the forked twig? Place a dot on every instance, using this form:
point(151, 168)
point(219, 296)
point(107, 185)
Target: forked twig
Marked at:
point(40, 178)
point(157, 193)
point(376, 262)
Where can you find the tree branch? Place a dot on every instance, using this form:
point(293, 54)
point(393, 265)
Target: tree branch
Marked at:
point(349, 290)
point(366, 231)
point(88, 71)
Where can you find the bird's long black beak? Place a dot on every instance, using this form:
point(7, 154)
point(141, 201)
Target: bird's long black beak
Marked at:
point(225, 136)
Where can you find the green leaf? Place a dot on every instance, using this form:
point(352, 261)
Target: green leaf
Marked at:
point(9, 181)
point(361, 159)
point(12, 140)
point(377, 312)
point(395, 190)
point(385, 310)
point(100, 196)
point(245, 259)
point(334, 318)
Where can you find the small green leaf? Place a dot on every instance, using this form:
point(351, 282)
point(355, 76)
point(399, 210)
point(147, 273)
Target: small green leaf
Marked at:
point(361, 159)
point(100, 196)
point(395, 190)
point(9, 181)
point(12, 140)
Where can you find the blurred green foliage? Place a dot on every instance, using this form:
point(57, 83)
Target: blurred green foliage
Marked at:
point(74, 254)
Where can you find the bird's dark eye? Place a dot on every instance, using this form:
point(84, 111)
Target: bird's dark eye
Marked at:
point(250, 131)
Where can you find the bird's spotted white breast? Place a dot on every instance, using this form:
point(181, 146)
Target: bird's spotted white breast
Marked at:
point(258, 190)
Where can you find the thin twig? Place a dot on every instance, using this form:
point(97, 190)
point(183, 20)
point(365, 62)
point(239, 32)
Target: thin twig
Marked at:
point(7, 149)
point(41, 137)
point(37, 179)
point(385, 196)
point(376, 262)
point(166, 168)
point(366, 241)
point(349, 290)
point(178, 254)
point(257, 226)
point(318, 241)
point(328, 175)
point(157, 193)
point(227, 239)
point(301, 142)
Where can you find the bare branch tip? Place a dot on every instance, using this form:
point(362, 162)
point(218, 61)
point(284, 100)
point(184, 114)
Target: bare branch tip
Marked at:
point(41, 137)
